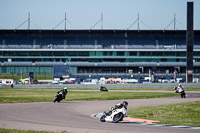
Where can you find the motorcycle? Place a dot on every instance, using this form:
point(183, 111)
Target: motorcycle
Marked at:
point(103, 88)
point(182, 92)
point(60, 96)
point(114, 115)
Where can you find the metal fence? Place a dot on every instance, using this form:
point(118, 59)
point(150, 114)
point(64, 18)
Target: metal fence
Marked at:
point(96, 86)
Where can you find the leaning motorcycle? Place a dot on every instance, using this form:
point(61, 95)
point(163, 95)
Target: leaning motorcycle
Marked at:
point(58, 97)
point(103, 88)
point(114, 115)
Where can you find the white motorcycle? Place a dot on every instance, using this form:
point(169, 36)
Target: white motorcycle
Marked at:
point(114, 115)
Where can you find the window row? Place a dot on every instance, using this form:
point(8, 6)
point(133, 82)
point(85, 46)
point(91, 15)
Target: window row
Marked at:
point(21, 70)
point(97, 60)
point(95, 53)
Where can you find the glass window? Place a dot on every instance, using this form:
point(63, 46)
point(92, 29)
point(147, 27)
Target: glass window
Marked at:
point(21, 53)
point(7, 53)
point(196, 53)
point(37, 70)
point(34, 53)
point(46, 53)
point(119, 53)
point(42, 69)
point(133, 53)
point(21, 70)
point(83, 53)
point(163, 60)
point(157, 53)
point(114, 53)
point(99, 53)
point(58, 53)
point(126, 53)
point(107, 53)
point(181, 53)
point(71, 53)
point(182, 60)
point(92, 53)
point(145, 53)
point(31, 69)
point(10, 70)
point(94, 60)
point(73, 70)
point(171, 60)
point(169, 53)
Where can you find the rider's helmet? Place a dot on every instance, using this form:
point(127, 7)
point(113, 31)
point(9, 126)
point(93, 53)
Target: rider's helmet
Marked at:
point(179, 85)
point(125, 104)
point(65, 89)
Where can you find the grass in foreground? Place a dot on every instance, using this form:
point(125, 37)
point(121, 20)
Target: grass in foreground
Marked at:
point(47, 95)
point(184, 114)
point(2, 130)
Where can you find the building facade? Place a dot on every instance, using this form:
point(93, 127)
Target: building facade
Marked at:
point(97, 52)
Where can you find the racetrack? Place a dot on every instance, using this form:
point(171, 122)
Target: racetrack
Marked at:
point(75, 116)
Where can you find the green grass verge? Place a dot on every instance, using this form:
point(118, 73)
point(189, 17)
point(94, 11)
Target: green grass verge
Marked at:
point(185, 114)
point(2, 130)
point(10, 95)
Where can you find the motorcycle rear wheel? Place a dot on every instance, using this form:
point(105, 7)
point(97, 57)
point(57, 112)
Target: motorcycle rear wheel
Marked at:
point(118, 117)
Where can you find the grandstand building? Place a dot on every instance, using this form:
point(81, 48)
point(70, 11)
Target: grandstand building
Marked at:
point(96, 53)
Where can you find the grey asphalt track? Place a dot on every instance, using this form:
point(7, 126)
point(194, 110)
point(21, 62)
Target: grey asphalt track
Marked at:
point(75, 116)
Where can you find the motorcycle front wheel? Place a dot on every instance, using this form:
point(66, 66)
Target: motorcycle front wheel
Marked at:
point(118, 117)
point(55, 99)
point(102, 119)
point(58, 99)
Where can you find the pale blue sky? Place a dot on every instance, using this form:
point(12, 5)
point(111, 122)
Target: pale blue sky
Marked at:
point(83, 14)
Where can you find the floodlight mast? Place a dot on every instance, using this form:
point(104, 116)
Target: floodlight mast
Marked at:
point(173, 21)
point(65, 20)
point(27, 20)
point(138, 23)
point(101, 20)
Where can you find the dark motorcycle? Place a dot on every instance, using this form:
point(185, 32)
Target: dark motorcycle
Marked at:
point(103, 88)
point(60, 95)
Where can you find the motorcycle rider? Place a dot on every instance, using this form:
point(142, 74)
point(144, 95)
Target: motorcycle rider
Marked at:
point(103, 88)
point(180, 89)
point(63, 92)
point(124, 105)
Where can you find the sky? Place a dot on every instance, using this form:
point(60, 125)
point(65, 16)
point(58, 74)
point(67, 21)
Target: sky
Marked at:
point(84, 14)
